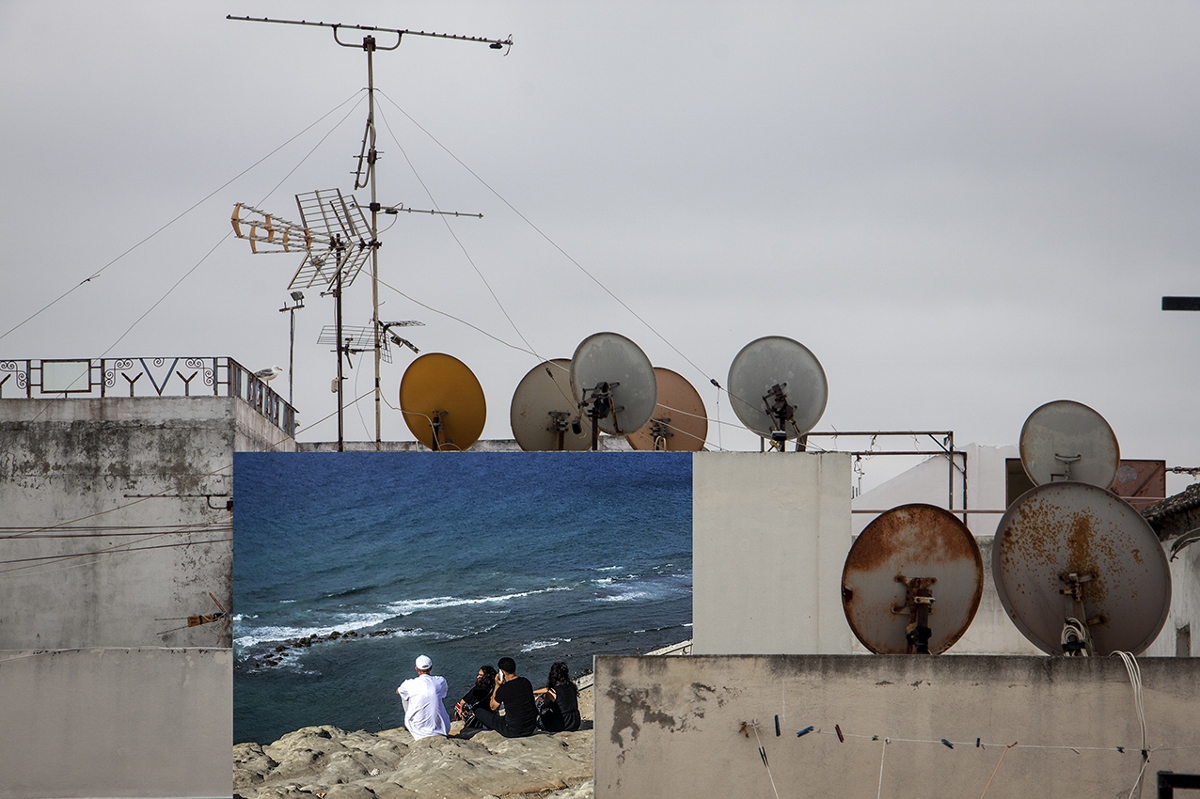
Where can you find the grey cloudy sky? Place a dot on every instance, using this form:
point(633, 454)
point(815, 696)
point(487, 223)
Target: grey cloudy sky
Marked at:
point(963, 210)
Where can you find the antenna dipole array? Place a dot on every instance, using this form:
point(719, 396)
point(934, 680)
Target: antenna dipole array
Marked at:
point(370, 156)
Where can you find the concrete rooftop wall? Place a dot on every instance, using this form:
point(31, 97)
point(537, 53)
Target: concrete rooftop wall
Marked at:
point(672, 727)
point(118, 526)
point(770, 533)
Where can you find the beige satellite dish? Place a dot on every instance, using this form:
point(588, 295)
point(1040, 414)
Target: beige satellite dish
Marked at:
point(545, 415)
point(679, 422)
point(442, 402)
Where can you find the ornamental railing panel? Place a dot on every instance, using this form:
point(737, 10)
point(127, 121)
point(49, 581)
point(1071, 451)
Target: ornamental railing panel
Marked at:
point(144, 377)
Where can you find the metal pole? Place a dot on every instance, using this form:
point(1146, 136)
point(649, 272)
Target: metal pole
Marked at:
point(337, 304)
point(291, 355)
point(369, 46)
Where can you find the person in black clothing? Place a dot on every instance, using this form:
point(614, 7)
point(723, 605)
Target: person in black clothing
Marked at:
point(516, 694)
point(476, 697)
point(559, 701)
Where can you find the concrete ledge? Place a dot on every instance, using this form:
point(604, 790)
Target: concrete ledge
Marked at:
point(673, 727)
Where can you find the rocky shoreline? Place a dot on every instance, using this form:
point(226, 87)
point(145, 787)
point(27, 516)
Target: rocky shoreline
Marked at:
point(328, 763)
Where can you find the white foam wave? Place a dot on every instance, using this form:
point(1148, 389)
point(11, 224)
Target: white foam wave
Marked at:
point(533, 645)
point(407, 607)
point(268, 634)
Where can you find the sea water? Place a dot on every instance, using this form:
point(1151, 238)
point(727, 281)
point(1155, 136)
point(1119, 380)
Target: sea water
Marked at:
point(465, 557)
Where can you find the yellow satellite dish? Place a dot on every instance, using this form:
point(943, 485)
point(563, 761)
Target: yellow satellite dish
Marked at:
point(442, 402)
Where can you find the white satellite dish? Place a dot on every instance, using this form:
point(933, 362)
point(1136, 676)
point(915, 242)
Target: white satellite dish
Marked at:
point(614, 382)
point(1067, 440)
point(1078, 569)
point(777, 388)
point(545, 415)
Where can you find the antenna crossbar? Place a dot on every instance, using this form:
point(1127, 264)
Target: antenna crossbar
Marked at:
point(400, 32)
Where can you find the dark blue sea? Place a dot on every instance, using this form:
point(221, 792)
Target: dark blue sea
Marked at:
point(465, 557)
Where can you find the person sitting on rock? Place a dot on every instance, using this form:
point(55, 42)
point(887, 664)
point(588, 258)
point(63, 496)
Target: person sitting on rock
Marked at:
point(516, 695)
point(558, 707)
point(424, 713)
point(476, 697)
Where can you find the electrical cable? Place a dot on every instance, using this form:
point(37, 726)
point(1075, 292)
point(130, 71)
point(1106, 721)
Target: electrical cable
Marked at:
point(181, 215)
point(549, 240)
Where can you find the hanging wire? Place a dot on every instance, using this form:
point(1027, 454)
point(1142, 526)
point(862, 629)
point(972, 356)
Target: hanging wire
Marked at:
point(458, 241)
point(1135, 679)
point(547, 238)
point(181, 215)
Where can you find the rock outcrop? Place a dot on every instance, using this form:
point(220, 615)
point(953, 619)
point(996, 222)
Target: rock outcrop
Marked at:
point(328, 763)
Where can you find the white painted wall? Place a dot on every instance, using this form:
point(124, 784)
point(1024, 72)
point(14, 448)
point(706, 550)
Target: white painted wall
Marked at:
point(115, 722)
point(770, 533)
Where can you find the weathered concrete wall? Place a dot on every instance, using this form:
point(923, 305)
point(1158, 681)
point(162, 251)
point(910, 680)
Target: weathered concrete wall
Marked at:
point(669, 727)
point(125, 480)
point(118, 526)
point(115, 722)
point(770, 533)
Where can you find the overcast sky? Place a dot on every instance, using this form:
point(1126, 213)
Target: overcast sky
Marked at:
point(964, 211)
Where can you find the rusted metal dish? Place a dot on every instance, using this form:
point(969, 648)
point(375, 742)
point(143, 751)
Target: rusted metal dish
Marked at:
point(1061, 529)
point(1066, 440)
point(544, 414)
point(905, 552)
point(679, 422)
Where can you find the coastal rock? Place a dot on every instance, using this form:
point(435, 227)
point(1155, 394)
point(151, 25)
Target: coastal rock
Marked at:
point(330, 763)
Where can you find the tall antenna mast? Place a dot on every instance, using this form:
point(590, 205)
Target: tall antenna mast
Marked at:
point(370, 155)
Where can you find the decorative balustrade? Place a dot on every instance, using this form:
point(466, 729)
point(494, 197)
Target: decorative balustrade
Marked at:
point(144, 377)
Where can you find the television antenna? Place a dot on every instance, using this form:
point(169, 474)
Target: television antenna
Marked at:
point(365, 174)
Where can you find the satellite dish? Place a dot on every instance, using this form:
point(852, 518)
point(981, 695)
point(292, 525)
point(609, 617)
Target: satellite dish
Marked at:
point(777, 388)
point(912, 581)
point(1067, 440)
point(545, 414)
point(1075, 551)
point(679, 421)
point(442, 402)
point(614, 380)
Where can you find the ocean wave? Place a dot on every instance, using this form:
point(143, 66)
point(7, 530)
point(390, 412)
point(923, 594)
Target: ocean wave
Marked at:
point(534, 645)
point(406, 607)
point(273, 634)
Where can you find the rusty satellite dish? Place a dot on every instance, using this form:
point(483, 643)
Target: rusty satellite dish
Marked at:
point(544, 414)
point(1067, 440)
point(613, 381)
point(442, 402)
point(912, 581)
point(1078, 569)
point(679, 422)
point(777, 388)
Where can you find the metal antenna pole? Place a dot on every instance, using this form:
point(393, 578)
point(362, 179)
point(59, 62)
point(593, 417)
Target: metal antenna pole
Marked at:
point(370, 46)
